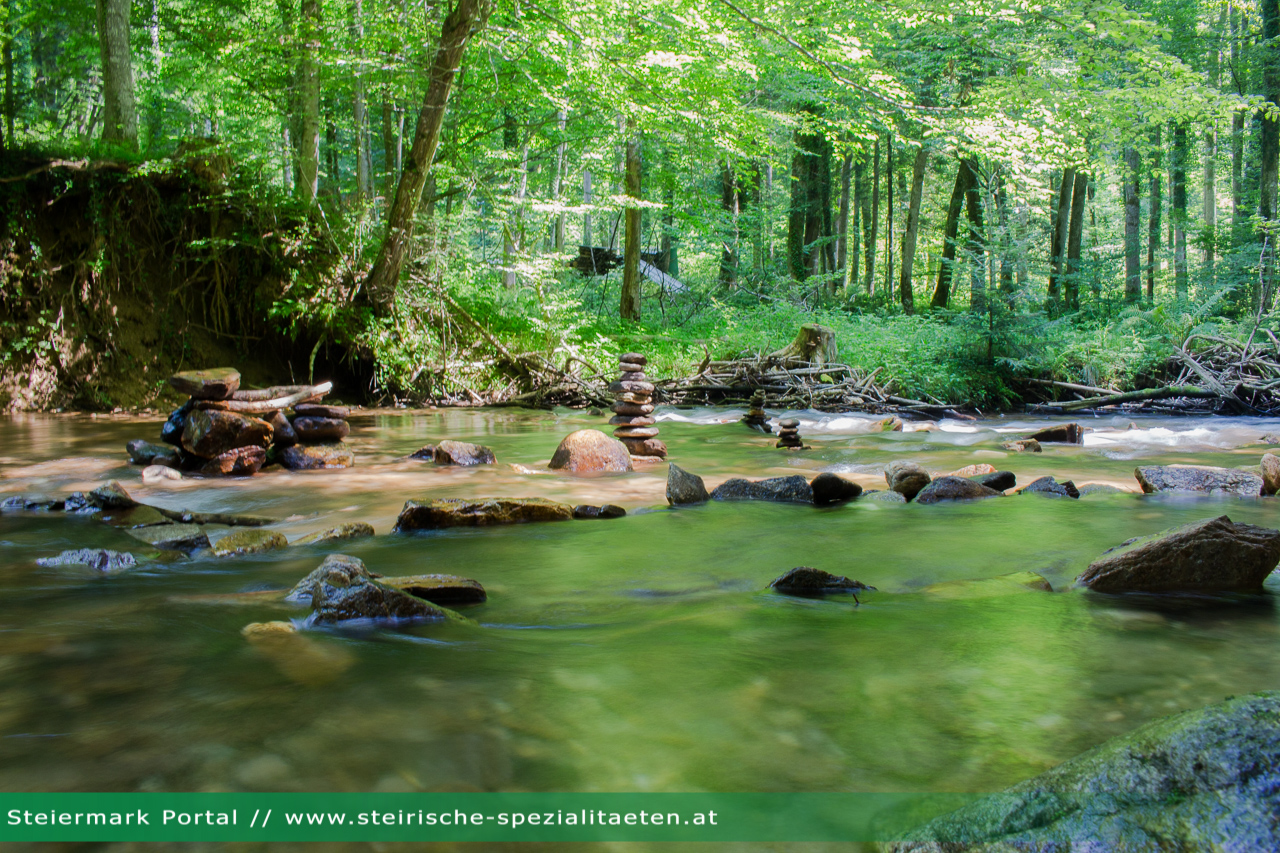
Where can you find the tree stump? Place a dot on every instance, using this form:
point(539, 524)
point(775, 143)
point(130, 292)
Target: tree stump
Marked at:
point(814, 345)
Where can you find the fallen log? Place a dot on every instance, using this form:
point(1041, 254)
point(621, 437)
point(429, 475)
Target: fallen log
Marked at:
point(259, 407)
point(1164, 393)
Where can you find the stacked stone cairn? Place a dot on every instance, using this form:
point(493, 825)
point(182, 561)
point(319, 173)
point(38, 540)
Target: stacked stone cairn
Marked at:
point(789, 434)
point(755, 416)
point(223, 431)
point(633, 411)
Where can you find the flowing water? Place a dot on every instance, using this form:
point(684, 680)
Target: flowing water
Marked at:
point(639, 654)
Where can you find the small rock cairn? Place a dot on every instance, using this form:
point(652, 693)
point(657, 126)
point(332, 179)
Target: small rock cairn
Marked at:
point(633, 410)
point(789, 434)
point(755, 416)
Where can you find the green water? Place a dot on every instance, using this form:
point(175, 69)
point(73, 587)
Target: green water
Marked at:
point(641, 654)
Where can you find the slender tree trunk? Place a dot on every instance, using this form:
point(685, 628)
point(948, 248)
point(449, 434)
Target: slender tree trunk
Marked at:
point(874, 220)
point(389, 148)
point(842, 221)
point(1132, 225)
point(514, 242)
point(976, 242)
point(1178, 212)
point(729, 242)
point(1153, 214)
point(1237, 136)
point(1075, 233)
point(1271, 91)
point(909, 237)
point(358, 111)
point(1006, 240)
point(888, 218)
point(805, 220)
point(557, 180)
point(670, 250)
point(8, 74)
point(308, 141)
point(385, 276)
point(860, 203)
point(629, 309)
point(1060, 232)
point(946, 267)
point(119, 107)
point(586, 203)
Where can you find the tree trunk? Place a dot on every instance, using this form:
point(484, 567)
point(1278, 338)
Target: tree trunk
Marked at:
point(909, 237)
point(557, 180)
point(976, 242)
point(1060, 233)
point(1006, 241)
point(1271, 91)
point(861, 204)
point(813, 346)
point(8, 74)
point(842, 222)
point(874, 219)
point(1075, 233)
point(384, 278)
point(307, 183)
point(119, 107)
point(810, 215)
point(514, 242)
point(586, 203)
point(1132, 224)
point(946, 267)
point(670, 252)
point(629, 309)
point(1153, 215)
point(359, 114)
point(888, 218)
point(729, 195)
point(1178, 211)
point(1238, 225)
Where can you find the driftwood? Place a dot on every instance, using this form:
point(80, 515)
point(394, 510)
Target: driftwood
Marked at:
point(1165, 393)
point(275, 404)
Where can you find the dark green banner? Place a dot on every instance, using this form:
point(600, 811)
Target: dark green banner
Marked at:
point(467, 817)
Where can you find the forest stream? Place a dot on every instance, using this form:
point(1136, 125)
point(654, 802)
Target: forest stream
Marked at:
point(634, 654)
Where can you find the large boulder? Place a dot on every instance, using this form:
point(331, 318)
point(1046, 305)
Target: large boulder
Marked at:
point(456, 512)
point(684, 487)
point(793, 489)
point(906, 478)
point(1051, 487)
point(831, 488)
point(1209, 556)
point(1270, 473)
point(1194, 478)
point(209, 432)
point(320, 430)
point(461, 453)
point(217, 383)
point(311, 457)
point(954, 489)
point(241, 462)
point(1203, 780)
point(589, 451)
point(1060, 434)
point(808, 582)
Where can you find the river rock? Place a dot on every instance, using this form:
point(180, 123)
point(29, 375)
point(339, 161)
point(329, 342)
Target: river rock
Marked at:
point(282, 432)
point(335, 568)
point(1270, 473)
point(906, 478)
point(111, 495)
point(1208, 556)
point(954, 489)
point(631, 386)
point(1060, 434)
point(319, 410)
point(1193, 478)
point(590, 511)
point(640, 432)
point(209, 433)
point(632, 420)
point(809, 582)
point(311, 457)
point(1203, 780)
point(645, 447)
point(155, 474)
point(101, 559)
point(456, 512)
point(250, 540)
point(685, 488)
point(351, 530)
point(998, 480)
point(1102, 489)
point(337, 598)
point(241, 462)
point(439, 589)
point(142, 452)
point(173, 537)
point(793, 489)
point(462, 453)
point(632, 409)
point(589, 451)
point(999, 585)
point(884, 496)
point(831, 488)
point(974, 470)
point(171, 432)
point(633, 358)
point(138, 516)
point(1051, 487)
point(256, 630)
point(1023, 445)
point(318, 430)
point(217, 383)
point(426, 453)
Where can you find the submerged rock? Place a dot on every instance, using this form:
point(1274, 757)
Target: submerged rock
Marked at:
point(95, 558)
point(337, 597)
point(1217, 555)
point(1270, 473)
point(142, 452)
point(1203, 780)
point(173, 537)
point(793, 489)
point(313, 457)
point(1102, 489)
point(990, 587)
point(588, 511)
point(1023, 445)
point(1194, 478)
point(153, 474)
point(255, 630)
point(954, 489)
point(974, 471)
point(351, 530)
point(1060, 434)
point(111, 495)
point(589, 451)
point(426, 453)
point(216, 383)
point(685, 488)
point(462, 453)
point(334, 565)
point(831, 488)
point(439, 589)
point(456, 512)
point(809, 582)
point(250, 540)
point(241, 462)
point(1051, 487)
point(906, 478)
point(209, 432)
point(883, 496)
point(999, 480)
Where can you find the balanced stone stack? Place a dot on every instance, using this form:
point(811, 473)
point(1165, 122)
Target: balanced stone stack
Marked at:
point(318, 431)
point(755, 416)
point(789, 434)
point(633, 410)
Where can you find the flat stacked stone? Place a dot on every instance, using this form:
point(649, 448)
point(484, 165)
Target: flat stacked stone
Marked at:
point(633, 410)
point(318, 431)
point(755, 416)
point(789, 434)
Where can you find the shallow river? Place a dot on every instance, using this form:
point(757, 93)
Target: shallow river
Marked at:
point(639, 654)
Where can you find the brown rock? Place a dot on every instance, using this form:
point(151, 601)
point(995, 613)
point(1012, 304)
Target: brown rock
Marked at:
point(953, 489)
point(631, 420)
point(974, 470)
point(282, 431)
point(240, 462)
point(461, 453)
point(217, 383)
point(351, 530)
point(317, 410)
point(309, 457)
point(589, 451)
point(906, 478)
point(637, 398)
point(633, 409)
point(455, 512)
point(316, 430)
point(249, 540)
point(633, 369)
point(635, 432)
point(1270, 473)
point(645, 447)
point(1208, 556)
point(1061, 434)
point(211, 433)
point(632, 385)
point(1023, 445)
point(633, 358)
point(1193, 478)
point(427, 453)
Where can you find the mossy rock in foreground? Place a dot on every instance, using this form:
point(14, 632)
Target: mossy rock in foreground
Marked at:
point(1202, 780)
